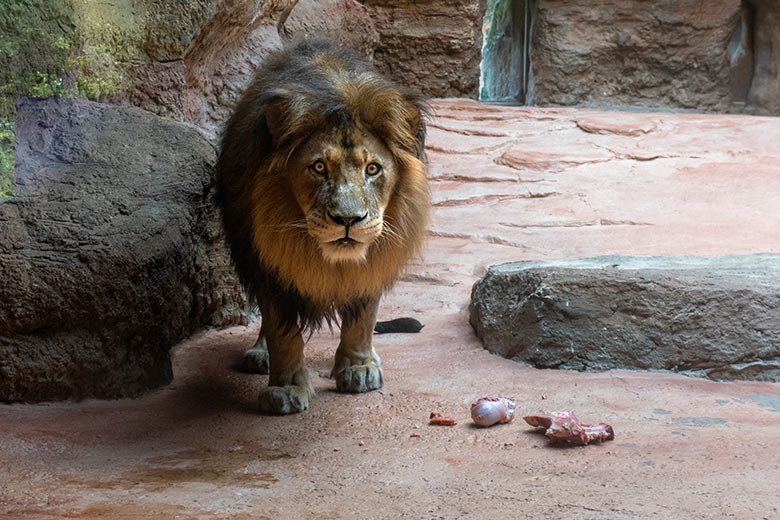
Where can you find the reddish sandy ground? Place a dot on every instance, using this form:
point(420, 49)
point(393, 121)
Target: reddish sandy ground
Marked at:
point(508, 184)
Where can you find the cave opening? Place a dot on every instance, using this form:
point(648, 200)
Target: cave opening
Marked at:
point(505, 69)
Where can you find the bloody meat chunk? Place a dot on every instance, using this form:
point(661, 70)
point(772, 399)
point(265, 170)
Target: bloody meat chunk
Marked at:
point(566, 427)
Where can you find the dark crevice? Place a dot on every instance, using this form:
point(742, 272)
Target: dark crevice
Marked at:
point(741, 54)
point(505, 70)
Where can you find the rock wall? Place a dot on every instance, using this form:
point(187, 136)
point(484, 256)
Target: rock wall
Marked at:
point(190, 60)
point(196, 72)
point(703, 55)
point(763, 21)
point(110, 253)
point(345, 21)
point(435, 46)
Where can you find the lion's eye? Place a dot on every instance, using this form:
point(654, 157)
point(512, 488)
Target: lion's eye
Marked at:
point(373, 169)
point(319, 167)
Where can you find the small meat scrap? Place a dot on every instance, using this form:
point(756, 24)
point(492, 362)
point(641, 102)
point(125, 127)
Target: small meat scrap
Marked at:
point(488, 411)
point(566, 427)
point(437, 419)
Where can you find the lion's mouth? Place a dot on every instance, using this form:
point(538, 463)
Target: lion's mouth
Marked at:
point(344, 249)
point(345, 242)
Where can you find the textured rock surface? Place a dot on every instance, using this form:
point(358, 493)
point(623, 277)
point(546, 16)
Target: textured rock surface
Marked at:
point(202, 54)
point(202, 75)
point(685, 448)
point(710, 56)
point(514, 183)
point(715, 317)
point(435, 46)
point(110, 254)
point(346, 22)
point(763, 19)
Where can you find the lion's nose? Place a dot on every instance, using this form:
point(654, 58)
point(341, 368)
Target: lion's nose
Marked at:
point(346, 220)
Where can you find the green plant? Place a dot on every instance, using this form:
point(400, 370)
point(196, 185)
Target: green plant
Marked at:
point(46, 85)
point(36, 40)
point(50, 48)
point(98, 73)
point(6, 156)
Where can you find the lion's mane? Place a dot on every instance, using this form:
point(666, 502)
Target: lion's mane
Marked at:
point(308, 87)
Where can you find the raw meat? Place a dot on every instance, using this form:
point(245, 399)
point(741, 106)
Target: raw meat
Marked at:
point(488, 411)
point(437, 419)
point(566, 427)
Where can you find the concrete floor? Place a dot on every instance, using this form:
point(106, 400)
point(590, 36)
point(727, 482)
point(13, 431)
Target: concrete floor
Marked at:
point(508, 184)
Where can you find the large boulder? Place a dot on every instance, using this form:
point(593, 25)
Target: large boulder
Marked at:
point(110, 253)
point(713, 317)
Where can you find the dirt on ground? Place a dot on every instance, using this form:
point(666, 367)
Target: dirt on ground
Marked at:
point(508, 184)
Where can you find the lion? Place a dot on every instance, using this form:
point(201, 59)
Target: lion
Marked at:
point(324, 196)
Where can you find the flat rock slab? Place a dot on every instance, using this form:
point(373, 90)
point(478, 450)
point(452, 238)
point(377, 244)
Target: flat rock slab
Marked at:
point(714, 317)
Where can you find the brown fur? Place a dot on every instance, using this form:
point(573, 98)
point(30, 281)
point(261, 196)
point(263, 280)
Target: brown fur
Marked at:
point(305, 90)
point(324, 200)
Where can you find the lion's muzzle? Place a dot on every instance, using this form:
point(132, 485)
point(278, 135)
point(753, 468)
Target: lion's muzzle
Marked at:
point(347, 220)
point(345, 237)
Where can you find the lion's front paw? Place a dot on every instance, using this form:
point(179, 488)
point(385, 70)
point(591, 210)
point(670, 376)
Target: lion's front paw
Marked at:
point(359, 378)
point(283, 400)
point(256, 359)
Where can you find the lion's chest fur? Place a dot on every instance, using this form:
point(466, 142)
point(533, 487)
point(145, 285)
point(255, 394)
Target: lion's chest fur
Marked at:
point(295, 258)
point(298, 263)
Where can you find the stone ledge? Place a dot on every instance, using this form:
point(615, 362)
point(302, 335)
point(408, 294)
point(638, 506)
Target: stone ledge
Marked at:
point(713, 317)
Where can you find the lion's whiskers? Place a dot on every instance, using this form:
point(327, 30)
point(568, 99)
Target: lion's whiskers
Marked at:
point(296, 225)
point(390, 235)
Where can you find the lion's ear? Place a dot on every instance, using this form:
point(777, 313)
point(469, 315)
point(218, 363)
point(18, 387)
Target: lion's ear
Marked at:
point(417, 114)
point(286, 116)
point(275, 119)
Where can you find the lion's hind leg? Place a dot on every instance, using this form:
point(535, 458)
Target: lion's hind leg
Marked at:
point(357, 367)
point(256, 358)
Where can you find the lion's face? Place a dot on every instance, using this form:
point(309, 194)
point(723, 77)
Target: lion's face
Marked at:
point(342, 180)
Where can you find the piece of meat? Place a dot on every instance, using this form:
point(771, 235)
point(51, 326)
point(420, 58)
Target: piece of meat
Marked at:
point(566, 427)
point(488, 411)
point(437, 419)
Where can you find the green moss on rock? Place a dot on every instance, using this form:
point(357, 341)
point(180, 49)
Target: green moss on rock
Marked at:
point(51, 48)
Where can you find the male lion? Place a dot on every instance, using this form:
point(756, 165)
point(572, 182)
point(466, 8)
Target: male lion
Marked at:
point(324, 200)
